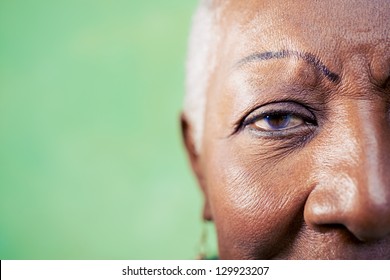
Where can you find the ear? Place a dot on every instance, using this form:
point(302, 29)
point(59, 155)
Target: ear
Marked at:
point(194, 157)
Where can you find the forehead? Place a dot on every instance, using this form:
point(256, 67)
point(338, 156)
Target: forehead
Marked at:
point(327, 28)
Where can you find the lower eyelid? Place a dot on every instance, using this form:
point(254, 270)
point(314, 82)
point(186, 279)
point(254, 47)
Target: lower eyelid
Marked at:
point(298, 132)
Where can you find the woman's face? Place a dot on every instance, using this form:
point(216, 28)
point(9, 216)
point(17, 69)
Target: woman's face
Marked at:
point(295, 156)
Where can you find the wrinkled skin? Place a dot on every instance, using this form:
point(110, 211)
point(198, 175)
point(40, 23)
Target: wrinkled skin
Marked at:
point(295, 156)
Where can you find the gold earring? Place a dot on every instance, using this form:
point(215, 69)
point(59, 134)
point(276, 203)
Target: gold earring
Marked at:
point(202, 255)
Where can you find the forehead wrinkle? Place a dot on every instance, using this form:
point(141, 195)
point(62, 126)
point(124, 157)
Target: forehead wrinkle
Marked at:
point(334, 28)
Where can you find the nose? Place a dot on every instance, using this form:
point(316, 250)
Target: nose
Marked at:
point(352, 187)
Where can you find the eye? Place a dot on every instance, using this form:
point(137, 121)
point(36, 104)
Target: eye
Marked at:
point(280, 119)
point(277, 121)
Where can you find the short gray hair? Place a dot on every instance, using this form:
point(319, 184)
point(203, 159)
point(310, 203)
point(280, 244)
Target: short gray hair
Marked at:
point(201, 62)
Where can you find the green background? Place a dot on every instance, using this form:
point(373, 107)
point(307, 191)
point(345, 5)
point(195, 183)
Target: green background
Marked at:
point(91, 160)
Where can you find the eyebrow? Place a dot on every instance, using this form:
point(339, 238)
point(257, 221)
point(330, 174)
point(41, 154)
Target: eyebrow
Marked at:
point(308, 57)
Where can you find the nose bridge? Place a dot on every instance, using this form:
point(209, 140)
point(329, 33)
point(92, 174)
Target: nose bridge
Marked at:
point(354, 186)
point(368, 213)
point(371, 154)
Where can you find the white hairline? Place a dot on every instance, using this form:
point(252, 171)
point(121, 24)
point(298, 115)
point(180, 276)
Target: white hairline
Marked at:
point(201, 62)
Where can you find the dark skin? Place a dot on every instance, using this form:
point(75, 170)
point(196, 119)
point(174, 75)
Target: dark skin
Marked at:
point(295, 156)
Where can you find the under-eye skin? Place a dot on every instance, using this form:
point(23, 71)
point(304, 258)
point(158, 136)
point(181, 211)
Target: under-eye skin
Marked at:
point(280, 119)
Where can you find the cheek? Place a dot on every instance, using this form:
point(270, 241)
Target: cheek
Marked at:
point(257, 202)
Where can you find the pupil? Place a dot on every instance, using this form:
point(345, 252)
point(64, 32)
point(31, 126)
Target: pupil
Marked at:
point(278, 121)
